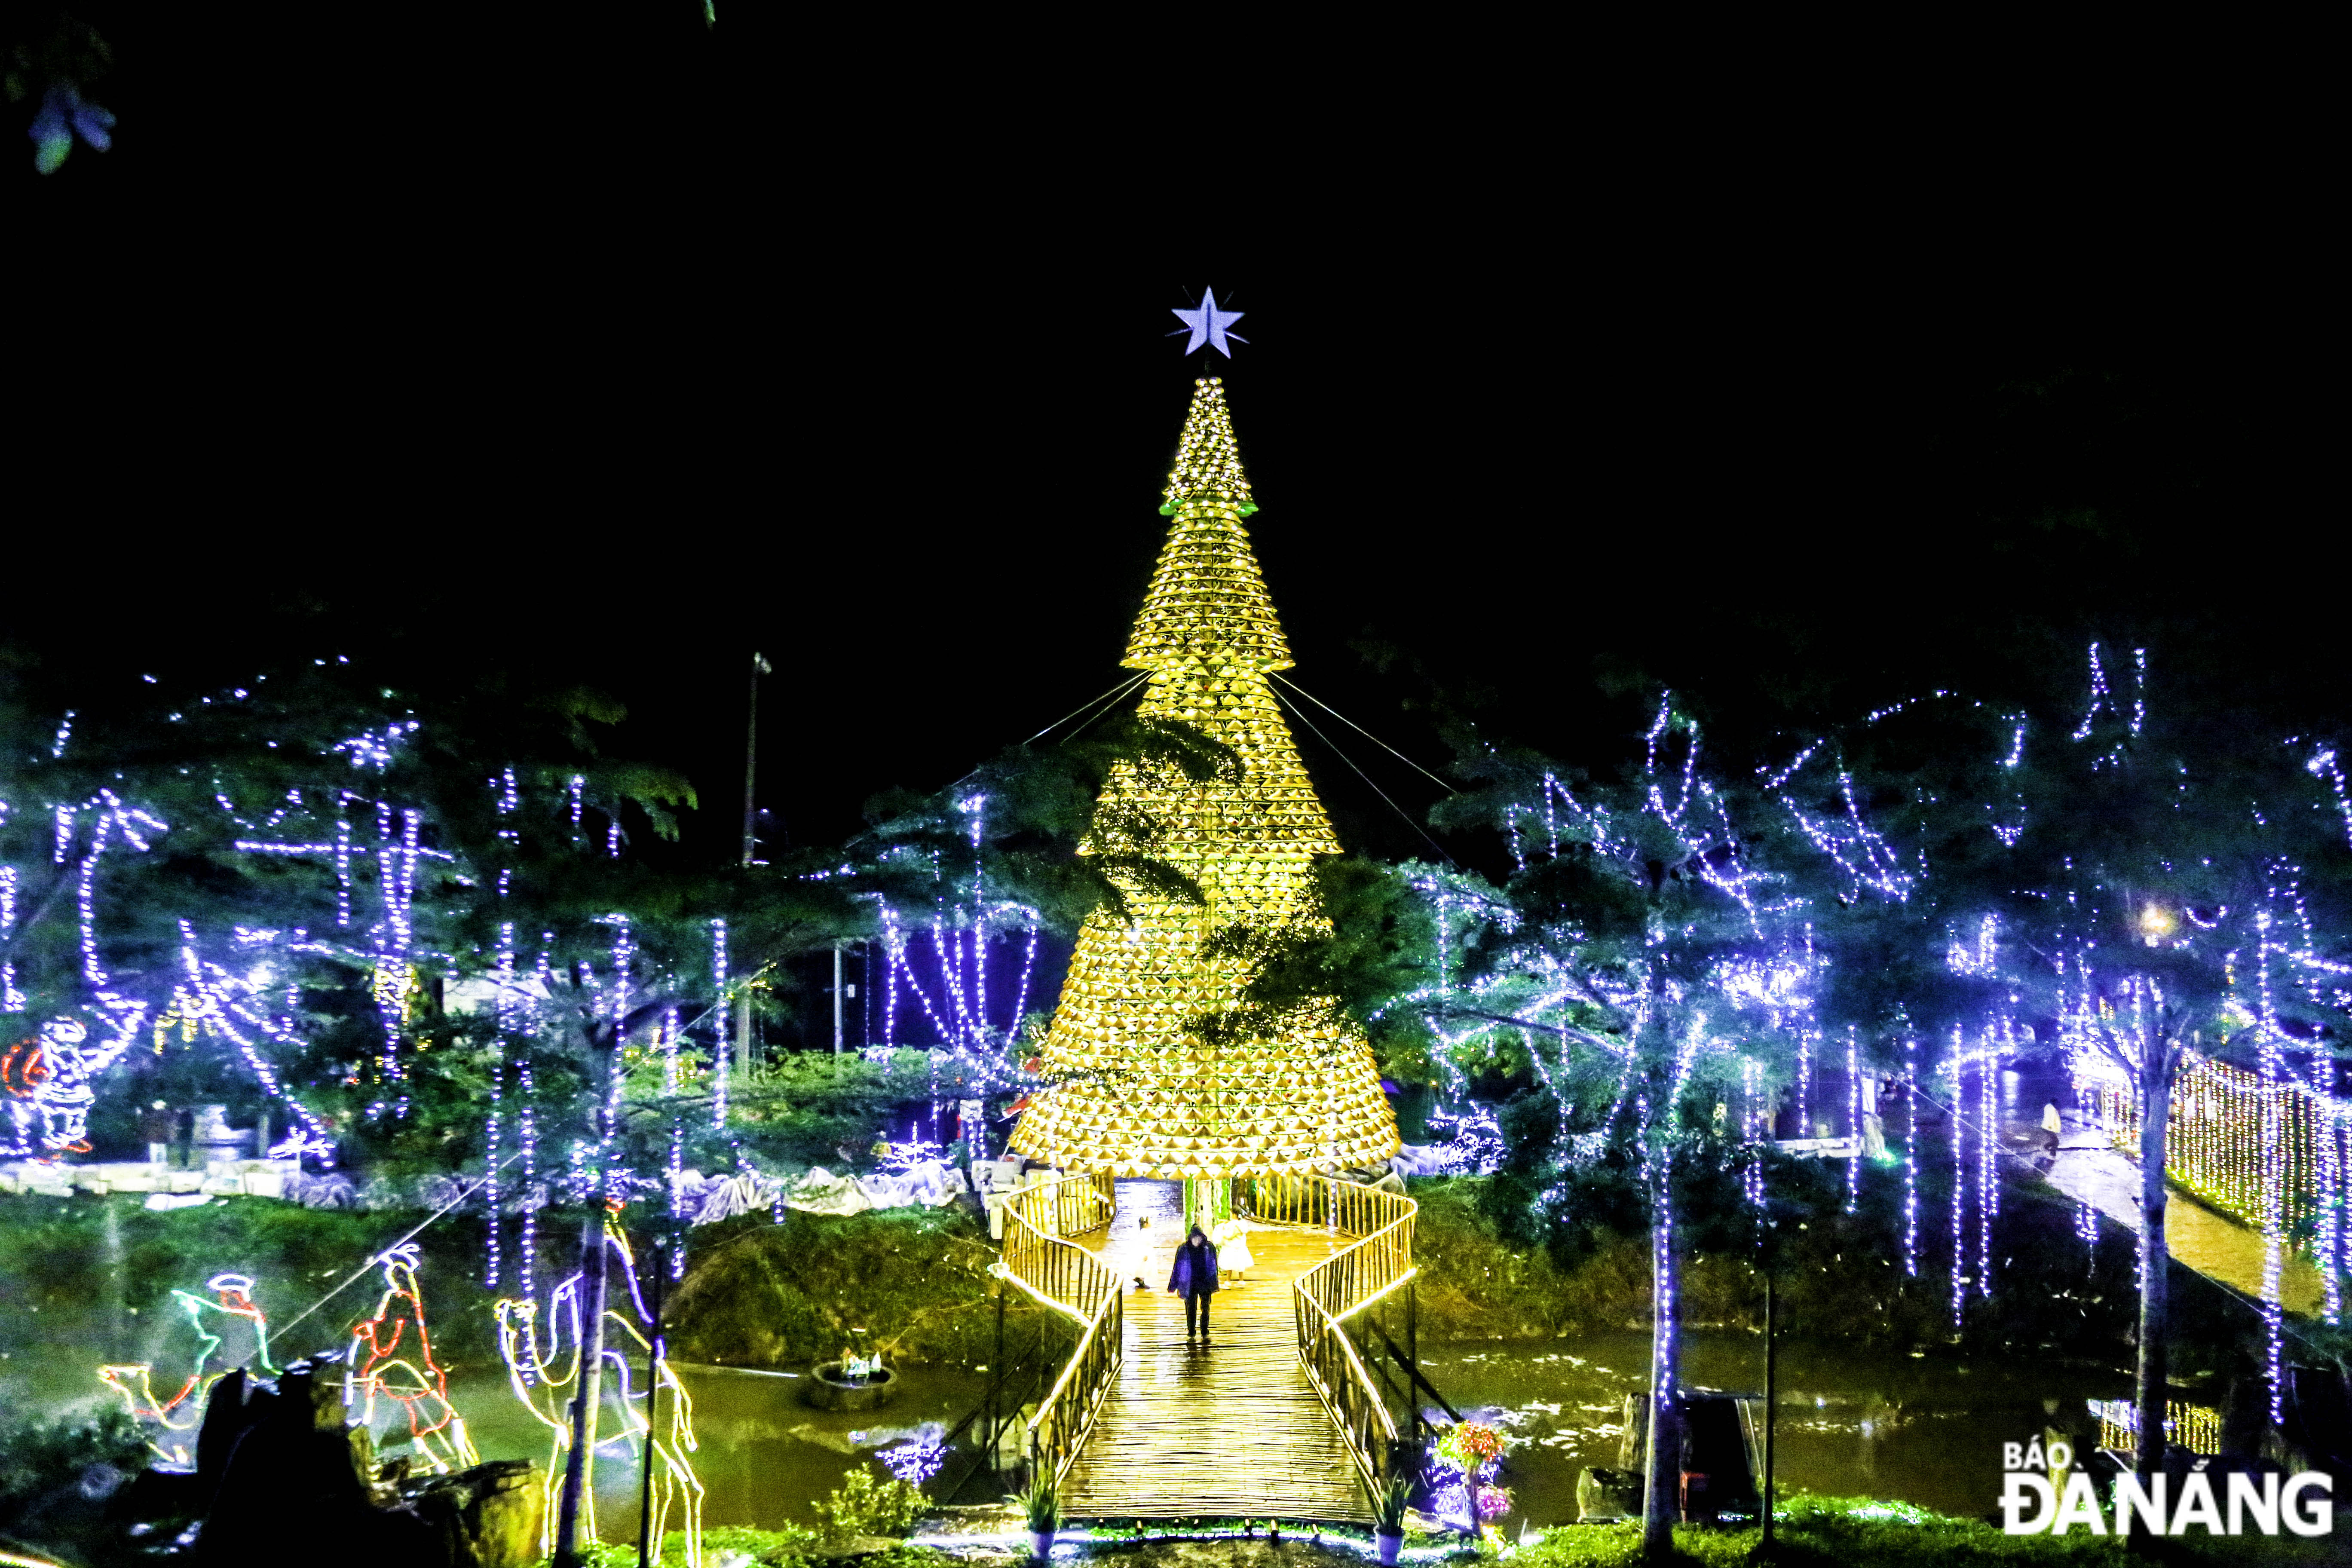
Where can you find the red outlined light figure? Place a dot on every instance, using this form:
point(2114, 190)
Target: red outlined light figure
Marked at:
point(244, 1321)
point(54, 1076)
point(21, 1071)
point(392, 1357)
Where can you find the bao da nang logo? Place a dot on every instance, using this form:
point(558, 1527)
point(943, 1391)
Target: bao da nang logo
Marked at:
point(2033, 1503)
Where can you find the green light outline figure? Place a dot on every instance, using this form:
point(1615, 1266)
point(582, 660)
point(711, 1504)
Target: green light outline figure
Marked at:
point(236, 1292)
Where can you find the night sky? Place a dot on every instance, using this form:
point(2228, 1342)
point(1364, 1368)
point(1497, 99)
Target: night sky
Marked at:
point(608, 356)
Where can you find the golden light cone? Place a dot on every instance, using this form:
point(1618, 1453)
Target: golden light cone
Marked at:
point(1137, 1093)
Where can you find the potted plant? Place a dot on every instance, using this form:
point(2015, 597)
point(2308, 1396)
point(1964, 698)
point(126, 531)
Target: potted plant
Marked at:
point(1388, 1518)
point(1044, 1510)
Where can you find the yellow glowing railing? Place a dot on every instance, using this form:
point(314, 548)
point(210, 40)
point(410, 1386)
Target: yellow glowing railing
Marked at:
point(1068, 1279)
point(1325, 1297)
point(2223, 1118)
point(2195, 1427)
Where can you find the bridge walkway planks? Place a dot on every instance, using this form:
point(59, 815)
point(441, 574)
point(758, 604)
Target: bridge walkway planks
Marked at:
point(1231, 1429)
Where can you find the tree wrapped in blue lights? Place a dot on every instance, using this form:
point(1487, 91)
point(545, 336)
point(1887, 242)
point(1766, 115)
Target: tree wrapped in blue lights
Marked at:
point(1651, 956)
point(2126, 876)
point(414, 921)
point(962, 884)
point(398, 917)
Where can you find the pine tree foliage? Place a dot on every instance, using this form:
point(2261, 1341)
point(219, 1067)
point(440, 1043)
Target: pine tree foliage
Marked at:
point(2142, 863)
point(368, 901)
point(2122, 877)
point(1371, 946)
point(1651, 957)
point(1016, 821)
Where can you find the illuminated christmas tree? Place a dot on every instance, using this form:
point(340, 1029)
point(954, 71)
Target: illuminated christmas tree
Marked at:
point(1145, 1082)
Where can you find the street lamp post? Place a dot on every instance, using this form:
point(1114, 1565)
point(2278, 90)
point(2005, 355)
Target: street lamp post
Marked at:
point(1771, 1402)
point(760, 667)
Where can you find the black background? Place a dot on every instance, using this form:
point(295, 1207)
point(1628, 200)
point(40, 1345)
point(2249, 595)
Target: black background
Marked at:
point(600, 345)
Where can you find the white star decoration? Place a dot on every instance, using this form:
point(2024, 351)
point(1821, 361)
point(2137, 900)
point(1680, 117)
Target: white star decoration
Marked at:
point(1208, 325)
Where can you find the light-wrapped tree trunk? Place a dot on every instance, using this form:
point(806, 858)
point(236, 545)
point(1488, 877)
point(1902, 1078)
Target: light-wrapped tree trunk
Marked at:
point(1662, 1496)
point(2155, 1257)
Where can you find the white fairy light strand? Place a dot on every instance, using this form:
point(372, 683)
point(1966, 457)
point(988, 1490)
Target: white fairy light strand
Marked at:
point(1911, 1158)
point(1988, 1177)
point(1854, 1119)
point(1956, 1066)
point(718, 1063)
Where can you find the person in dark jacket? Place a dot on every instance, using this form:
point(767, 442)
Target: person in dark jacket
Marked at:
point(1194, 1277)
point(157, 1126)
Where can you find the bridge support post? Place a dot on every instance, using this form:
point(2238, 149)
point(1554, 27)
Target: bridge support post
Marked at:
point(1412, 1354)
point(996, 1381)
point(1771, 1398)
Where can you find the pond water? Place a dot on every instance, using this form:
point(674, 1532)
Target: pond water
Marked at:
point(1851, 1424)
point(765, 1454)
point(1926, 1430)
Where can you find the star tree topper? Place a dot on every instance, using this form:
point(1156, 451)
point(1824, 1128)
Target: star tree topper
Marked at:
point(1207, 324)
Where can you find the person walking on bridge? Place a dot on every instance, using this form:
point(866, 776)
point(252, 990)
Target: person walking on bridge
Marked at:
point(1194, 1277)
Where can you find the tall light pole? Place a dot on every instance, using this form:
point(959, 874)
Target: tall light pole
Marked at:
point(605, 1041)
point(1771, 1399)
point(837, 998)
point(760, 667)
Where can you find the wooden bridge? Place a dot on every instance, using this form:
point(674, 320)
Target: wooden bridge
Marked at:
point(1281, 1415)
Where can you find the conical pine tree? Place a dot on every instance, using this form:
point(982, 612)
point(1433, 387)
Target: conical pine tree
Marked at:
point(1140, 1090)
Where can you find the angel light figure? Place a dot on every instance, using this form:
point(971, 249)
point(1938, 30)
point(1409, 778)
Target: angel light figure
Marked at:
point(393, 1369)
point(544, 1377)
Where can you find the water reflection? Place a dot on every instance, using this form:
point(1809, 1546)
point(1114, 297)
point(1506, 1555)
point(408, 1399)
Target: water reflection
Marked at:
point(1923, 1431)
point(1850, 1422)
point(918, 1452)
point(764, 1456)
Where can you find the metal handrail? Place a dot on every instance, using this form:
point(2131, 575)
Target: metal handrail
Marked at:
point(1071, 1280)
point(1326, 1295)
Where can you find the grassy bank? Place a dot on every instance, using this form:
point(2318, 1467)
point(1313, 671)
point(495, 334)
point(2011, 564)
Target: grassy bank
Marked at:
point(95, 1275)
point(1475, 1284)
point(1812, 1532)
point(764, 1294)
point(90, 1279)
point(1840, 1276)
point(916, 1281)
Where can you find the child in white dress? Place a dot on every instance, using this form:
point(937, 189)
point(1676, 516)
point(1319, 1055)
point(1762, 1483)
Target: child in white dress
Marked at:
point(1232, 1249)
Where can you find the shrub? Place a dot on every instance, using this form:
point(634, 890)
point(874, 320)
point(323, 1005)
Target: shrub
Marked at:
point(39, 1459)
point(1041, 1506)
point(56, 1478)
point(866, 1504)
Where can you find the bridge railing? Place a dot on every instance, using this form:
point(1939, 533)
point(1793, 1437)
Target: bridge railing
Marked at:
point(1327, 1296)
point(1068, 1279)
